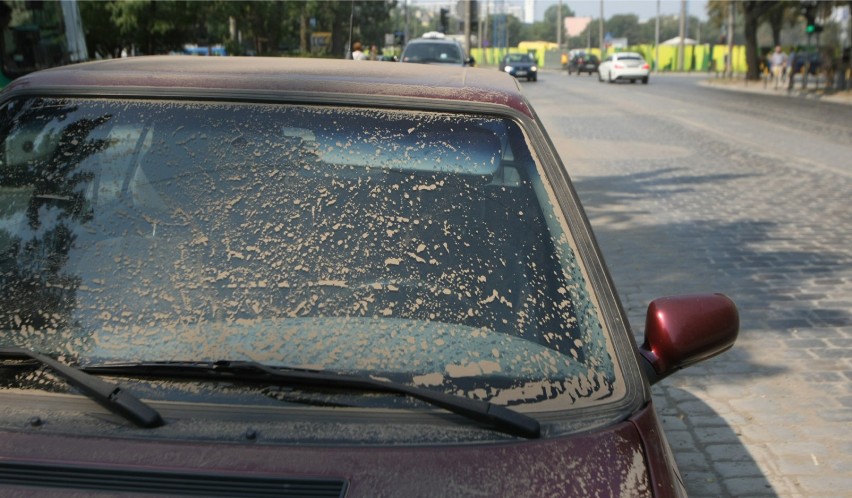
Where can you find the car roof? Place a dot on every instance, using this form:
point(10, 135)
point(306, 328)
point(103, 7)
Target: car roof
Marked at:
point(444, 41)
point(280, 78)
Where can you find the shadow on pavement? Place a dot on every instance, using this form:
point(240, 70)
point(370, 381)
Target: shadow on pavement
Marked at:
point(665, 232)
point(711, 457)
point(651, 254)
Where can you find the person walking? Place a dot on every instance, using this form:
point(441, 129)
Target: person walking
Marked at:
point(778, 65)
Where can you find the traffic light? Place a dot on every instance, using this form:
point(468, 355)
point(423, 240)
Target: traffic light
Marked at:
point(809, 10)
point(444, 21)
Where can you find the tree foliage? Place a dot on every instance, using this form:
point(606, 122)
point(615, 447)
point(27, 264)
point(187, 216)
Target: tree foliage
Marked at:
point(263, 27)
point(545, 30)
point(774, 13)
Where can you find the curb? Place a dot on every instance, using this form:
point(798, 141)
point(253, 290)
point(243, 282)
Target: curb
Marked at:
point(844, 97)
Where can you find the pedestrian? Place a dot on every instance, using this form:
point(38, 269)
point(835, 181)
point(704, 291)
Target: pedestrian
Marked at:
point(793, 62)
point(778, 65)
point(357, 53)
point(374, 53)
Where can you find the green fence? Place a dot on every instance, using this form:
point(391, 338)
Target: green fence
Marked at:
point(709, 58)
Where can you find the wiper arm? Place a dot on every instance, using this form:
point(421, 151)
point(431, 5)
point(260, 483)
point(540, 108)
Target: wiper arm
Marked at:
point(504, 419)
point(110, 396)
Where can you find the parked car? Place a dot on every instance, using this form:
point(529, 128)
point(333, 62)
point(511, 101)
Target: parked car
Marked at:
point(624, 66)
point(582, 62)
point(520, 66)
point(238, 276)
point(435, 48)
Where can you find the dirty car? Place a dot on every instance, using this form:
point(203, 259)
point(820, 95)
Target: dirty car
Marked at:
point(305, 277)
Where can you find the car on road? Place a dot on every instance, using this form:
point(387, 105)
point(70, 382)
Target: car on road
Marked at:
point(520, 66)
point(250, 276)
point(581, 62)
point(624, 66)
point(435, 48)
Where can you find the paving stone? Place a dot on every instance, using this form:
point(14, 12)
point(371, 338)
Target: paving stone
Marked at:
point(727, 207)
point(748, 486)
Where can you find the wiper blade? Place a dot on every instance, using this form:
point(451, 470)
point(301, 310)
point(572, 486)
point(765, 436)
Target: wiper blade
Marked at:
point(502, 418)
point(110, 396)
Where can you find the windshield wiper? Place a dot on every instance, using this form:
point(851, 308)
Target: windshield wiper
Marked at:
point(502, 418)
point(110, 396)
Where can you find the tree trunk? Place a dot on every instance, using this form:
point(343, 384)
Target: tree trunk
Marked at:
point(303, 31)
point(753, 11)
point(775, 17)
point(752, 56)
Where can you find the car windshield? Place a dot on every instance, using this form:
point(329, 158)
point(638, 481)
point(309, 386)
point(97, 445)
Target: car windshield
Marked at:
point(421, 247)
point(433, 52)
point(518, 58)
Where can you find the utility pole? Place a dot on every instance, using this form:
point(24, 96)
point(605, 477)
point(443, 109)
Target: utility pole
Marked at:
point(483, 30)
point(467, 27)
point(729, 60)
point(657, 41)
point(405, 28)
point(601, 32)
point(559, 25)
point(682, 43)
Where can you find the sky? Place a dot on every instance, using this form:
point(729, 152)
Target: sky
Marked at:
point(645, 9)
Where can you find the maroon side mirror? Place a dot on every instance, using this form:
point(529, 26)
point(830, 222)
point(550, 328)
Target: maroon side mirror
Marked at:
point(683, 330)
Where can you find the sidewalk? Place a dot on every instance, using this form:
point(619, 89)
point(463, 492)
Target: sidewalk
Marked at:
point(812, 92)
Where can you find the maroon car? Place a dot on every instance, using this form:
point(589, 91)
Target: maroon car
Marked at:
point(255, 277)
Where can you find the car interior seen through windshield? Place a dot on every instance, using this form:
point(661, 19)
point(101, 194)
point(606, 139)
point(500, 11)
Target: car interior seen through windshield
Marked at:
point(425, 248)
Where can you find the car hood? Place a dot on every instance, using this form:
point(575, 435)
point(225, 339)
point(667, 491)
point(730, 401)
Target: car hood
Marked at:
point(608, 462)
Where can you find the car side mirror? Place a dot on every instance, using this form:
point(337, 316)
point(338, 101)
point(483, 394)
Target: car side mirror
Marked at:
point(683, 330)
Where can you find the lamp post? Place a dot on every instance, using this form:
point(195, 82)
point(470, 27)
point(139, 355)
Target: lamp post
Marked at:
point(657, 41)
point(601, 32)
point(729, 60)
point(559, 25)
point(682, 43)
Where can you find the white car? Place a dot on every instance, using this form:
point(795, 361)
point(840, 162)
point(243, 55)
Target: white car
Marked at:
point(624, 66)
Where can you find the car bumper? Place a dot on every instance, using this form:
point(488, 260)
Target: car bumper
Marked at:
point(629, 74)
point(523, 73)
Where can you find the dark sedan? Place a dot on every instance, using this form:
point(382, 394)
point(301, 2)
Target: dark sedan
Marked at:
point(304, 277)
point(583, 63)
point(520, 66)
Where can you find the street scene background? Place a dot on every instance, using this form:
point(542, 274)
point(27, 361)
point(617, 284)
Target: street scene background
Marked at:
point(691, 187)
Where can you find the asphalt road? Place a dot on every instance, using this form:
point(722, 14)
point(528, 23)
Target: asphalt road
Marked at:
point(695, 189)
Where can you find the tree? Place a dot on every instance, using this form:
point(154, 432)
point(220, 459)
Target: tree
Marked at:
point(546, 30)
point(775, 18)
point(266, 27)
point(625, 26)
point(102, 38)
point(151, 26)
point(753, 10)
